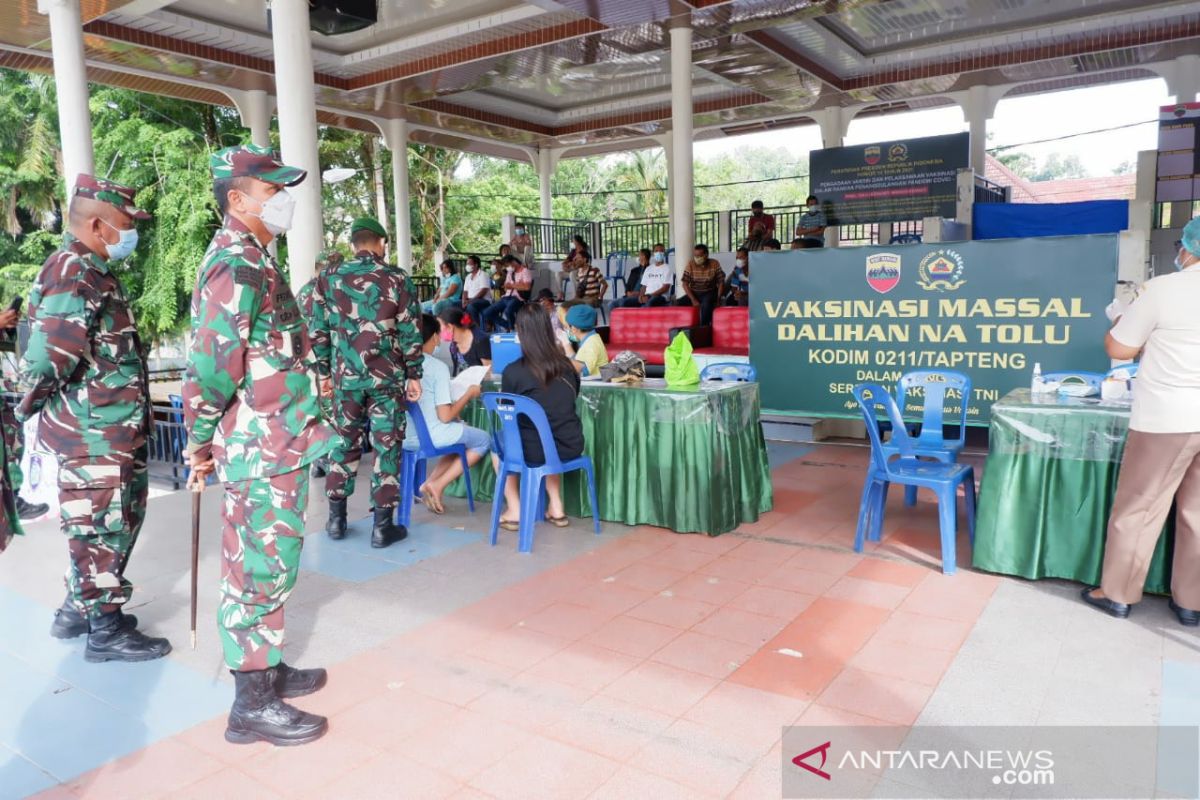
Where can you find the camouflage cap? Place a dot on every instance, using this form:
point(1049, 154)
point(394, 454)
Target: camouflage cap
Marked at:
point(367, 224)
point(118, 196)
point(252, 161)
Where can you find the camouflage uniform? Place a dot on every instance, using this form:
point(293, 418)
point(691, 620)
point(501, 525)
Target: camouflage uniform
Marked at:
point(10, 521)
point(87, 371)
point(365, 338)
point(250, 402)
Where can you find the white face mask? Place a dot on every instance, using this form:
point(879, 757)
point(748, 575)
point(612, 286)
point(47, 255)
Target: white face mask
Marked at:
point(1179, 261)
point(659, 258)
point(741, 262)
point(276, 213)
point(124, 246)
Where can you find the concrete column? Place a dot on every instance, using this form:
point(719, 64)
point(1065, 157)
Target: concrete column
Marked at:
point(1183, 79)
point(71, 86)
point(683, 218)
point(547, 162)
point(255, 107)
point(669, 156)
point(396, 139)
point(978, 105)
point(833, 121)
point(298, 131)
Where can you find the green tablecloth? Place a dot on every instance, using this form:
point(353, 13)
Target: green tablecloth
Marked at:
point(1048, 487)
point(691, 461)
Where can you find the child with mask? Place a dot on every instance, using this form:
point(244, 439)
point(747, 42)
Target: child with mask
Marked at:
point(590, 354)
point(739, 281)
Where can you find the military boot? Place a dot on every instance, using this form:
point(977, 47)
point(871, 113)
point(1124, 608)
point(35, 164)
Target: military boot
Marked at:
point(292, 682)
point(27, 510)
point(109, 639)
point(69, 623)
point(320, 468)
point(336, 526)
point(386, 531)
point(259, 715)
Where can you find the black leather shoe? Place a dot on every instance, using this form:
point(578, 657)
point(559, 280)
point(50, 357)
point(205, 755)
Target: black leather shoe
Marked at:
point(27, 510)
point(385, 531)
point(336, 526)
point(1186, 615)
point(320, 468)
point(69, 623)
point(109, 639)
point(259, 715)
point(1110, 607)
point(292, 682)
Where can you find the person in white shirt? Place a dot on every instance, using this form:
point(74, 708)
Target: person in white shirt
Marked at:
point(477, 291)
point(655, 285)
point(1161, 462)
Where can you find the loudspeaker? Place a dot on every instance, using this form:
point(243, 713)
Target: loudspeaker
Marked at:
point(331, 17)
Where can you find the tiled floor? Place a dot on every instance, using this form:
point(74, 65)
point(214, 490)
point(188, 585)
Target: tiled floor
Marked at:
point(635, 664)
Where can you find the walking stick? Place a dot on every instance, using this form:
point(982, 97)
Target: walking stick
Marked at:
point(197, 487)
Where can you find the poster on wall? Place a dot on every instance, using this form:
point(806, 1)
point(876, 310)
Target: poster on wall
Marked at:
point(1178, 174)
point(823, 321)
point(889, 181)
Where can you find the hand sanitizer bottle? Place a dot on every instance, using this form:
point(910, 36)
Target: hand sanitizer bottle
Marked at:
point(1037, 386)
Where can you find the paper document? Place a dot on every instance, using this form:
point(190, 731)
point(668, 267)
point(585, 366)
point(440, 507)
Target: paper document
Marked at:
point(471, 376)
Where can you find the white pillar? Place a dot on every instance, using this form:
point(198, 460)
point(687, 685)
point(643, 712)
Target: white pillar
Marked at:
point(547, 161)
point(978, 108)
point(669, 156)
point(683, 217)
point(296, 96)
point(255, 107)
point(833, 121)
point(71, 86)
point(396, 139)
point(1183, 80)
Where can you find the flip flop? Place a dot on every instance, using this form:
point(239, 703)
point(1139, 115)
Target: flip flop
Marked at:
point(558, 522)
point(509, 525)
point(431, 502)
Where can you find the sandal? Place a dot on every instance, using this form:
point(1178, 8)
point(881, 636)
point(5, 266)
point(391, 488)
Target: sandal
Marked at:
point(558, 522)
point(509, 525)
point(431, 501)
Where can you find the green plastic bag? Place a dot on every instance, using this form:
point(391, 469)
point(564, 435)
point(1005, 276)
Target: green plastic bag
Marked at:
point(681, 369)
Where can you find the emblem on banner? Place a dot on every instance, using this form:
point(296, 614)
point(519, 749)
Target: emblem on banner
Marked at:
point(883, 272)
point(898, 152)
point(871, 154)
point(941, 271)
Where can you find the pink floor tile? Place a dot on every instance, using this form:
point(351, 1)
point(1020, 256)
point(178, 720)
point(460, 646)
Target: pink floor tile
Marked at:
point(229, 782)
point(636, 783)
point(708, 588)
point(790, 501)
point(747, 570)
point(940, 596)
point(700, 758)
point(746, 714)
point(209, 737)
point(875, 569)
point(741, 626)
point(909, 662)
point(921, 631)
point(461, 745)
point(556, 769)
point(707, 544)
point(154, 771)
point(567, 620)
point(648, 577)
point(397, 713)
point(456, 682)
point(765, 779)
point(758, 550)
point(772, 602)
point(388, 776)
point(890, 699)
point(824, 560)
point(870, 593)
point(675, 612)
point(469, 793)
point(60, 792)
point(794, 579)
point(661, 688)
point(517, 648)
point(822, 716)
point(611, 597)
point(681, 558)
point(610, 727)
point(295, 770)
point(531, 702)
point(585, 665)
point(633, 637)
point(706, 655)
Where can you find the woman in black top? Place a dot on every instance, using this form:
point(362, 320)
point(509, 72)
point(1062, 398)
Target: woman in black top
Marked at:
point(469, 345)
point(546, 375)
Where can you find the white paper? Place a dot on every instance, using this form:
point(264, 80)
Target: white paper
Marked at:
point(471, 376)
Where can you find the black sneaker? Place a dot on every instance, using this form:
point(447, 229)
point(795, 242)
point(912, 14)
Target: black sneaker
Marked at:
point(110, 640)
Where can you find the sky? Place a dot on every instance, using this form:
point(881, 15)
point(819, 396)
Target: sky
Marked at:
point(1018, 120)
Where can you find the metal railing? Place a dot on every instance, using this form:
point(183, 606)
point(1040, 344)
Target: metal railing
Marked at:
point(631, 235)
point(552, 237)
point(990, 192)
point(787, 218)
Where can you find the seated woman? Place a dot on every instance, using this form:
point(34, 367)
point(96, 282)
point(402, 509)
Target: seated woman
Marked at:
point(469, 345)
point(441, 418)
point(546, 375)
point(589, 351)
point(449, 293)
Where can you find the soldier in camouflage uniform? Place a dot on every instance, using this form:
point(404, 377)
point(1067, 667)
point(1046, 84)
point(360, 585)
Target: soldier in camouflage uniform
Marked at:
point(250, 405)
point(86, 370)
point(14, 435)
point(329, 259)
point(365, 338)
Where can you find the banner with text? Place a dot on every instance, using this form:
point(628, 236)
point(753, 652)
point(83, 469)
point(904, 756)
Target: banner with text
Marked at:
point(889, 181)
point(823, 321)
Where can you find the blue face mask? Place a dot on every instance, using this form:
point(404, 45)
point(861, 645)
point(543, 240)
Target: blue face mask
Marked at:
point(573, 338)
point(659, 258)
point(124, 246)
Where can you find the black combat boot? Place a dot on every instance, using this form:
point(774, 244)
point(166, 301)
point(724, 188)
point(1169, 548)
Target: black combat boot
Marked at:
point(27, 510)
point(259, 715)
point(292, 682)
point(109, 639)
point(69, 623)
point(320, 468)
point(336, 526)
point(386, 531)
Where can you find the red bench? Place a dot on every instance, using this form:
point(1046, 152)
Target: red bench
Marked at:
point(728, 336)
point(647, 331)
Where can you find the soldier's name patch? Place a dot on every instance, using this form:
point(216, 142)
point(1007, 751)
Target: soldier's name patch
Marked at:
point(248, 276)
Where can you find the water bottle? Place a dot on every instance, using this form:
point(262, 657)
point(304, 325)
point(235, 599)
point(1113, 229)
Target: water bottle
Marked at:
point(1038, 385)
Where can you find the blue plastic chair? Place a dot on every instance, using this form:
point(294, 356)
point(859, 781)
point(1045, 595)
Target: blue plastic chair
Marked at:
point(1092, 379)
point(740, 372)
point(620, 257)
point(931, 442)
point(908, 470)
point(412, 465)
point(507, 442)
point(905, 238)
point(505, 350)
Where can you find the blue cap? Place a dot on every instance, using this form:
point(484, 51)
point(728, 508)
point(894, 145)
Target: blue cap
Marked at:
point(582, 317)
point(1191, 237)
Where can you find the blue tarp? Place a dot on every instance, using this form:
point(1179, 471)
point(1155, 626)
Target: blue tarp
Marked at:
point(1022, 220)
